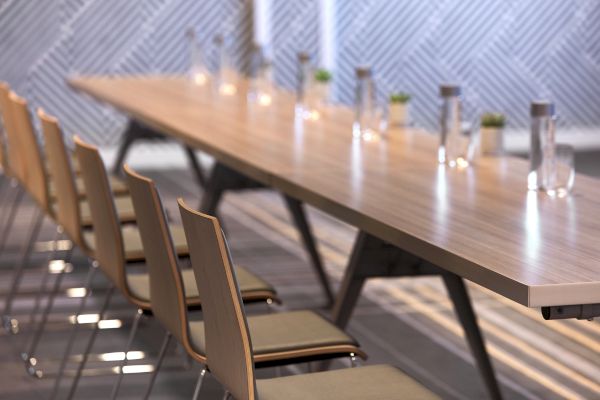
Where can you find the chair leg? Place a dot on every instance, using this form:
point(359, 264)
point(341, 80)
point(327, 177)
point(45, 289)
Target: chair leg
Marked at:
point(29, 355)
point(300, 220)
point(11, 216)
point(10, 324)
point(136, 321)
point(90, 343)
point(161, 356)
point(199, 384)
point(58, 235)
point(75, 329)
point(354, 361)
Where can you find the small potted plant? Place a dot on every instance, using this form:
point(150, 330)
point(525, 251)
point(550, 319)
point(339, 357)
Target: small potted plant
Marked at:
point(492, 125)
point(398, 112)
point(322, 80)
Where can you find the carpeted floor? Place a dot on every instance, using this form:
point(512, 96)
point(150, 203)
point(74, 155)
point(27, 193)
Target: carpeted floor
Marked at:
point(406, 322)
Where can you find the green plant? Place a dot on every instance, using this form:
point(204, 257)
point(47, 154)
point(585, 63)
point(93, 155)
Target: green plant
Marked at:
point(399, 97)
point(493, 120)
point(322, 75)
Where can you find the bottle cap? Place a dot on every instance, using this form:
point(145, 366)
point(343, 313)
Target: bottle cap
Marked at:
point(542, 108)
point(364, 71)
point(303, 57)
point(449, 90)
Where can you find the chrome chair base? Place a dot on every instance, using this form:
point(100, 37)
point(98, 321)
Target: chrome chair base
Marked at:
point(136, 321)
point(10, 324)
point(161, 356)
point(199, 384)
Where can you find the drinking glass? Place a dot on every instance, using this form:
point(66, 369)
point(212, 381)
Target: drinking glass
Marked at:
point(450, 125)
point(369, 119)
point(565, 169)
point(198, 72)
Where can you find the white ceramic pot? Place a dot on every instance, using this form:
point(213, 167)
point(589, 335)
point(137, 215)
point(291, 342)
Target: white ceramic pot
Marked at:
point(321, 92)
point(398, 114)
point(491, 141)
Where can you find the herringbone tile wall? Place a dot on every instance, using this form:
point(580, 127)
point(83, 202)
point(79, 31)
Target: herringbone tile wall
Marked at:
point(43, 42)
point(503, 52)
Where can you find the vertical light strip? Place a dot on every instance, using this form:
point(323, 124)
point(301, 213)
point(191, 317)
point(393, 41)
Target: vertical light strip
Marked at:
point(327, 33)
point(262, 23)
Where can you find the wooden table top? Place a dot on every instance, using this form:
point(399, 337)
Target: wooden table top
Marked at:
point(480, 222)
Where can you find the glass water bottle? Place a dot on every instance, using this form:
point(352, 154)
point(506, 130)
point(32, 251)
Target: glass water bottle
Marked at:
point(306, 100)
point(264, 83)
point(367, 116)
point(198, 73)
point(450, 123)
point(304, 77)
point(542, 169)
point(261, 78)
point(226, 74)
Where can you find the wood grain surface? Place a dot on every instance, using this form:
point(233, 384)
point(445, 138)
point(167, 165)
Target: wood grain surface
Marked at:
point(479, 222)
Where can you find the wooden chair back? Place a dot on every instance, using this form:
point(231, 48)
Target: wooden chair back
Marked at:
point(167, 294)
point(34, 170)
point(68, 214)
point(228, 346)
point(13, 144)
point(109, 249)
point(4, 121)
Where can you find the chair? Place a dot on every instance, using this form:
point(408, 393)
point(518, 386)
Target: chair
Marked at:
point(12, 169)
point(230, 340)
point(29, 168)
point(68, 208)
point(5, 166)
point(11, 165)
point(110, 245)
point(311, 337)
point(167, 288)
point(26, 166)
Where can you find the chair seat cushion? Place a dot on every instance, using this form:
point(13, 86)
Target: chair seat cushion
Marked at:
point(117, 186)
point(377, 382)
point(123, 204)
point(139, 284)
point(290, 332)
point(134, 250)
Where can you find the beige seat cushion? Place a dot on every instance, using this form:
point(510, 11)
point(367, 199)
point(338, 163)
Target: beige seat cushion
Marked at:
point(117, 186)
point(123, 204)
point(283, 332)
point(134, 250)
point(377, 382)
point(139, 284)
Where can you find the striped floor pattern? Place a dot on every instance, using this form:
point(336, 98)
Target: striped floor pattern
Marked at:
point(407, 322)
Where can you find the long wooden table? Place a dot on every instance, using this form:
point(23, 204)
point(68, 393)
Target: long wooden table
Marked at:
point(415, 216)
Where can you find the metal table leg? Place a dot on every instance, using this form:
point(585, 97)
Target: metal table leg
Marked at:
point(223, 178)
point(136, 131)
point(372, 257)
point(464, 310)
point(301, 222)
